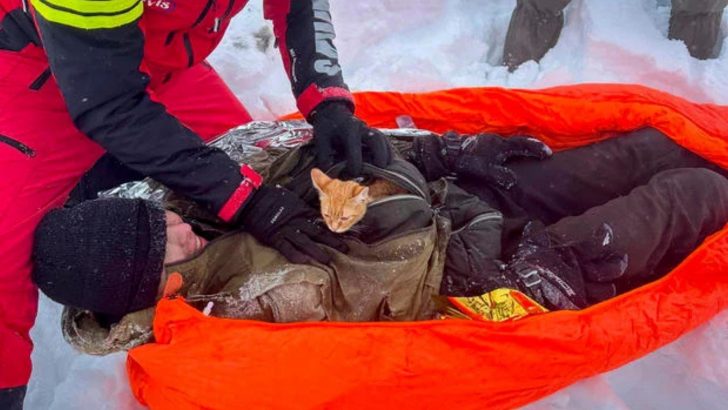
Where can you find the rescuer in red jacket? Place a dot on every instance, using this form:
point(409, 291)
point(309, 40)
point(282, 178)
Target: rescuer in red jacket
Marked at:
point(127, 79)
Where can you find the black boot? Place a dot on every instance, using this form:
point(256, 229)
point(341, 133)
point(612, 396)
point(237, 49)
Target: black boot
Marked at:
point(698, 26)
point(534, 29)
point(547, 273)
point(570, 275)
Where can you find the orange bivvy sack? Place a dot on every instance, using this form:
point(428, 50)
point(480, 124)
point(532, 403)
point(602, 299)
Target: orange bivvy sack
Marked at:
point(203, 362)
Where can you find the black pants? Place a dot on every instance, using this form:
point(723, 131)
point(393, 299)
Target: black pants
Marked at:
point(660, 200)
point(12, 399)
point(536, 25)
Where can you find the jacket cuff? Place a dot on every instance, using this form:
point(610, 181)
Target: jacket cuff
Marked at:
point(313, 96)
point(251, 181)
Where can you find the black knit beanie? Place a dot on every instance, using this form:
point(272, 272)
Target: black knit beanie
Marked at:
point(104, 255)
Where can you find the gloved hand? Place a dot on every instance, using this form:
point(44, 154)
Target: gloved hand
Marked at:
point(278, 218)
point(481, 156)
point(485, 155)
point(336, 129)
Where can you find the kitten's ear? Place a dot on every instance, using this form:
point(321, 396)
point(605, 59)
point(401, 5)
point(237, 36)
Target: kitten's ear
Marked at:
point(363, 196)
point(319, 179)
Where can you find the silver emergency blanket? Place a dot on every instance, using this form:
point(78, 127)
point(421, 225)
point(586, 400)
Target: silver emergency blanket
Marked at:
point(247, 144)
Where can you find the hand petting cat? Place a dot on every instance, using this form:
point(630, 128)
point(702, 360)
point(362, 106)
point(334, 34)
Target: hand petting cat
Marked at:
point(337, 130)
point(280, 219)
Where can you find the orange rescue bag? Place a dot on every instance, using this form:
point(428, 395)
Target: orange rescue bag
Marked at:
point(203, 362)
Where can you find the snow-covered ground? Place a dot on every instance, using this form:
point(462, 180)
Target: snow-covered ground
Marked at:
point(419, 45)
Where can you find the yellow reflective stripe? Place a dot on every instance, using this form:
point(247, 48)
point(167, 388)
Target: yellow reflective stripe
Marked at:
point(93, 6)
point(89, 14)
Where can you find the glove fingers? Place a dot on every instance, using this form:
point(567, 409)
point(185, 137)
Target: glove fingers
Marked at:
point(290, 252)
point(503, 176)
point(524, 147)
point(324, 236)
point(376, 143)
point(353, 153)
point(331, 240)
point(493, 174)
point(324, 154)
point(311, 249)
point(485, 146)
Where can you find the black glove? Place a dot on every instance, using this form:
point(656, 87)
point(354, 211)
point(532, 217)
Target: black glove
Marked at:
point(480, 156)
point(429, 155)
point(280, 219)
point(484, 155)
point(336, 129)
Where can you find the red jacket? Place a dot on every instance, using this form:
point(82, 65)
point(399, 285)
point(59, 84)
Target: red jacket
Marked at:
point(108, 56)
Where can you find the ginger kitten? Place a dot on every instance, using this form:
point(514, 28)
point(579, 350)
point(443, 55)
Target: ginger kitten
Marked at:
point(344, 203)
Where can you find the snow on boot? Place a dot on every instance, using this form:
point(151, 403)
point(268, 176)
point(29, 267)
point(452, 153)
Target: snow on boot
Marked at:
point(599, 261)
point(548, 274)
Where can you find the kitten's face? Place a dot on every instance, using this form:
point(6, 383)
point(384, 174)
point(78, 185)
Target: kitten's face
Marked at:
point(343, 203)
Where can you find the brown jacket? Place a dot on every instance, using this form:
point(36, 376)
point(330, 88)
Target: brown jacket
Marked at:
point(392, 271)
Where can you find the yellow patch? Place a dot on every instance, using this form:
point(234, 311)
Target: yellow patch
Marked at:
point(89, 14)
point(497, 306)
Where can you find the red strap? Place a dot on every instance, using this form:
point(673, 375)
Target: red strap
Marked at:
point(313, 96)
point(254, 177)
point(251, 181)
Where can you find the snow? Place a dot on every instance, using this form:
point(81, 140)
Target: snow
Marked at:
point(410, 45)
point(420, 45)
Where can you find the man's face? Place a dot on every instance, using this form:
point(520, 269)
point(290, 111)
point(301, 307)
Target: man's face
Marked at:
point(182, 243)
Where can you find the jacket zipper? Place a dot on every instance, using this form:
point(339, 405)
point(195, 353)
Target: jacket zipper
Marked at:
point(228, 10)
point(170, 37)
point(204, 12)
point(489, 216)
point(403, 179)
point(397, 197)
point(186, 37)
point(398, 179)
point(18, 146)
point(41, 80)
point(188, 48)
point(220, 20)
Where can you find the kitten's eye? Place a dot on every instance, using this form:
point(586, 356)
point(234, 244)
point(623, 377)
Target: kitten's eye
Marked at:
point(327, 216)
point(345, 218)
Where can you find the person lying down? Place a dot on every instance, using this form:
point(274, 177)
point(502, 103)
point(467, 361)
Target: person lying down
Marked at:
point(480, 226)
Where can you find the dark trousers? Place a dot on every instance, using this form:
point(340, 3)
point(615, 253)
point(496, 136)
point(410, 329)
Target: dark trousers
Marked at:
point(12, 399)
point(660, 200)
point(534, 29)
point(697, 23)
point(536, 25)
